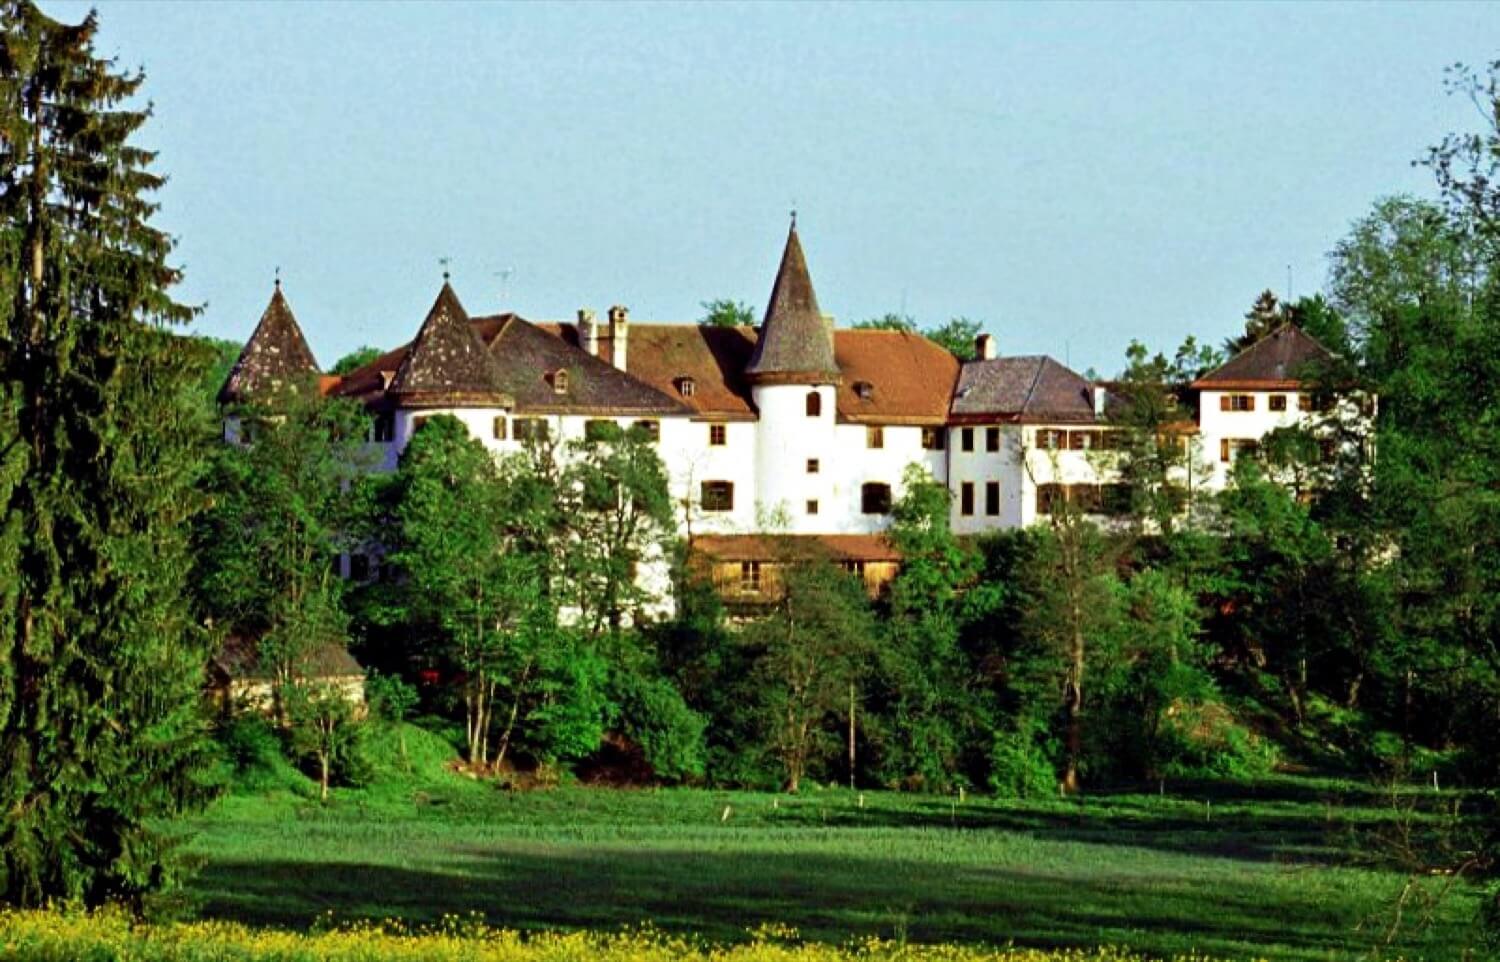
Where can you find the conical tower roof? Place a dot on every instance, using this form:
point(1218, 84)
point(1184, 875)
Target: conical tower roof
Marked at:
point(795, 345)
point(448, 365)
point(276, 356)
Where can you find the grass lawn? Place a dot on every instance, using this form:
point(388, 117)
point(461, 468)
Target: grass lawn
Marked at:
point(1285, 869)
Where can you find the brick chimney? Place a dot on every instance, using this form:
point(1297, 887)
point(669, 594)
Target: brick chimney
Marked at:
point(588, 331)
point(985, 348)
point(619, 331)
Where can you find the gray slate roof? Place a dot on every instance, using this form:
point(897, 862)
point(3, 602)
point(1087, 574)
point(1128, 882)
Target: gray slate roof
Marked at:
point(796, 341)
point(447, 363)
point(275, 357)
point(1033, 388)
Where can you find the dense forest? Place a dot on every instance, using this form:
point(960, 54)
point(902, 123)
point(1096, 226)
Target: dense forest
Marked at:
point(1328, 613)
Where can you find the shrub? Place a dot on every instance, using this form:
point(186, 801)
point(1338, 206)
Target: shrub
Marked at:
point(653, 715)
point(1019, 768)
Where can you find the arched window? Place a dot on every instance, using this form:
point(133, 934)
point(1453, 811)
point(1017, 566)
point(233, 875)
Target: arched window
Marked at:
point(560, 382)
point(814, 404)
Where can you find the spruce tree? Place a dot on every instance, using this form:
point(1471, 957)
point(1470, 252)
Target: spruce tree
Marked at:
point(101, 663)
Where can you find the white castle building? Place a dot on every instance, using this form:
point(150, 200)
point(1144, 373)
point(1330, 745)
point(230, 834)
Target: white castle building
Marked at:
point(795, 427)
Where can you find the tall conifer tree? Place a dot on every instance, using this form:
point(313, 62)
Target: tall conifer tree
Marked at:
point(100, 661)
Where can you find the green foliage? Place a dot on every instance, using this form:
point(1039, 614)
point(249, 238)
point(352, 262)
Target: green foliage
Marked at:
point(957, 335)
point(1019, 767)
point(324, 730)
point(355, 360)
point(653, 715)
point(390, 698)
point(726, 312)
point(101, 432)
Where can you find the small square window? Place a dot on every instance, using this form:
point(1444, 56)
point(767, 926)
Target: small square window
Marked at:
point(932, 439)
point(875, 498)
point(1277, 402)
point(874, 436)
point(813, 465)
point(812, 505)
point(718, 435)
point(717, 496)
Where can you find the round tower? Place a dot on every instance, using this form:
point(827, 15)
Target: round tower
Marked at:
point(793, 380)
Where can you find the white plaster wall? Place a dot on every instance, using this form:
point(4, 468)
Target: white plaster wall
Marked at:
point(850, 463)
point(786, 439)
point(1214, 425)
point(690, 460)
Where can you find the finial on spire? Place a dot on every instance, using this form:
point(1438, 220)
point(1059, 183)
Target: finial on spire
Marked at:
point(278, 277)
point(794, 215)
point(444, 261)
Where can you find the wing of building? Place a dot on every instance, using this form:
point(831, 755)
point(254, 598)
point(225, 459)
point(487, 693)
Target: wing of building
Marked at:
point(795, 428)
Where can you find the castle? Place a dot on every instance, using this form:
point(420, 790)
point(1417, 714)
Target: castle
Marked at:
point(795, 427)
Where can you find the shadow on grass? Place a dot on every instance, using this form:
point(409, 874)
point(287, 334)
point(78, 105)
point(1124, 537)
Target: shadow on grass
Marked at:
point(719, 896)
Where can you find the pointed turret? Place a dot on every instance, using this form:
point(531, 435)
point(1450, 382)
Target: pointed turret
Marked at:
point(796, 342)
point(448, 365)
point(275, 357)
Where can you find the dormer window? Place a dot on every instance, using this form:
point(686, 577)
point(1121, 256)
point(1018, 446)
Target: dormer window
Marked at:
point(864, 389)
point(559, 382)
point(814, 404)
point(685, 386)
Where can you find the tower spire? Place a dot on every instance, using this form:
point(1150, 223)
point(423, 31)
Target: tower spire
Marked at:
point(795, 345)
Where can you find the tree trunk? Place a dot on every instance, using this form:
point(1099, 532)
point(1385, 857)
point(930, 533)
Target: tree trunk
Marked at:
point(323, 775)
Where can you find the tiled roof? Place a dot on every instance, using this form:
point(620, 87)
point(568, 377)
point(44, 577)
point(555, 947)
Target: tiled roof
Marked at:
point(447, 364)
point(662, 355)
point(796, 341)
point(276, 355)
point(529, 357)
point(890, 377)
point(240, 658)
point(1031, 389)
point(1283, 358)
point(764, 547)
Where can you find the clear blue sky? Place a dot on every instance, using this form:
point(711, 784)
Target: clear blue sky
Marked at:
point(1074, 176)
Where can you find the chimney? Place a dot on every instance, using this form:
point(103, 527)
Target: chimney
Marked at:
point(619, 321)
point(984, 348)
point(1099, 396)
point(588, 331)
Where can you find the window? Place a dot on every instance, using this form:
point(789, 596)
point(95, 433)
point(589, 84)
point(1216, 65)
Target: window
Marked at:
point(1051, 439)
point(856, 568)
point(559, 382)
point(1048, 497)
point(1277, 402)
point(966, 439)
point(966, 498)
point(359, 567)
point(417, 422)
point(812, 505)
point(651, 429)
point(717, 496)
point(718, 435)
point(992, 498)
point(685, 386)
point(385, 428)
point(1236, 402)
point(750, 576)
point(875, 498)
point(874, 436)
point(497, 428)
point(864, 389)
point(992, 439)
point(932, 439)
point(814, 404)
point(530, 429)
point(813, 465)
point(1231, 449)
point(599, 430)
point(1084, 440)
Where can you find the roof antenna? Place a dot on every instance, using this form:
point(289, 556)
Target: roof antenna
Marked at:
point(504, 274)
point(1289, 283)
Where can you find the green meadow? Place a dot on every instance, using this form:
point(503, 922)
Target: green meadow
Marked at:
point(1290, 868)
